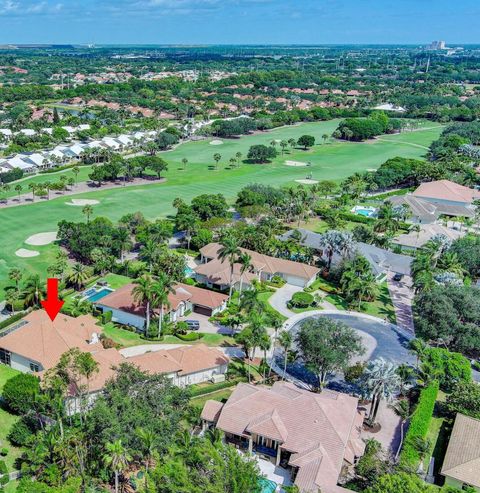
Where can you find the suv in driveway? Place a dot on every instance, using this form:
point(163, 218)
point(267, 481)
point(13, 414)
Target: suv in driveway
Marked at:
point(193, 324)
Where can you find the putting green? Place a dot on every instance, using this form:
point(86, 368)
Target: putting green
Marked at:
point(332, 161)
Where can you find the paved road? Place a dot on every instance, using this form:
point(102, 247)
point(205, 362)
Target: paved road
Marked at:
point(391, 341)
point(402, 294)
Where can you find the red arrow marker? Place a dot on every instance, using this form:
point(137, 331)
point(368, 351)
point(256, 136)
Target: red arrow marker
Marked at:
point(52, 304)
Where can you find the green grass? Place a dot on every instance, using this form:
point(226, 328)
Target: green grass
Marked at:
point(382, 307)
point(126, 338)
point(7, 420)
point(438, 434)
point(264, 297)
point(334, 161)
point(220, 395)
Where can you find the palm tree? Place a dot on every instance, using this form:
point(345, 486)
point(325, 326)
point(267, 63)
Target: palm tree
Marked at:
point(380, 382)
point(149, 253)
point(12, 297)
point(423, 447)
point(79, 275)
point(15, 275)
point(250, 301)
point(148, 439)
point(142, 293)
point(79, 306)
point(33, 188)
point(33, 291)
point(232, 161)
point(264, 343)
point(161, 288)
point(216, 158)
point(245, 261)
point(402, 410)
point(229, 251)
point(87, 211)
point(18, 189)
point(325, 138)
point(117, 458)
point(285, 340)
point(283, 145)
point(418, 347)
point(406, 373)
point(238, 155)
point(184, 162)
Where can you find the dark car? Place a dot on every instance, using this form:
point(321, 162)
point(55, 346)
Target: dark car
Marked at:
point(193, 324)
point(398, 277)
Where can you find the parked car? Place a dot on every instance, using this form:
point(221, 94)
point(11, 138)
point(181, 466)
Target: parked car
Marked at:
point(193, 324)
point(398, 277)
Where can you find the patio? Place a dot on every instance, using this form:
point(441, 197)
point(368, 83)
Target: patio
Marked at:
point(274, 473)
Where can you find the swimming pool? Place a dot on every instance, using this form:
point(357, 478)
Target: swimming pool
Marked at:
point(365, 211)
point(267, 485)
point(98, 295)
point(188, 271)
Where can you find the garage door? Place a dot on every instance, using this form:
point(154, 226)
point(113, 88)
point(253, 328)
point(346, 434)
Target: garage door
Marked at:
point(202, 310)
point(295, 281)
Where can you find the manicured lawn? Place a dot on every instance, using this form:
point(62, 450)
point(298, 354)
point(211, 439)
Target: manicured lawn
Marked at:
point(7, 420)
point(382, 307)
point(320, 226)
point(126, 338)
point(220, 395)
point(333, 161)
point(264, 297)
point(438, 435)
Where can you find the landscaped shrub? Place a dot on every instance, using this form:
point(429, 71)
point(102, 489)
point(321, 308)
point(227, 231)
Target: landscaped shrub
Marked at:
point(419, 425)
point(277, 281)
point(20, 391)
point(107, 342)
point(191, 336)
point(107, 317)
point(4, 479)
point(354, 372)
point(19, 434)
point(356, 218)
point(302, 299)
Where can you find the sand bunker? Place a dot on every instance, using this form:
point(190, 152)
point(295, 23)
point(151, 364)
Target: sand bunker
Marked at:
point(216, 142)
point(307, 181)
point(24, 253)
point(371, 169)
point(42, 238)
point(295, 163)
point(81, 202)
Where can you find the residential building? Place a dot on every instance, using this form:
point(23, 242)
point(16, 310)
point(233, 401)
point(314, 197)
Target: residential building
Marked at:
point(186, 365)
point(461, 465)
point(382, 261)
point(447, 192)
point(126, 310)
point(416, 239)
point(35, 344)
point(313, 435)
point(216, 273)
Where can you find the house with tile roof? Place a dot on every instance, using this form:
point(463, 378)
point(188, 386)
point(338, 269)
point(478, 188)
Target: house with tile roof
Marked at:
point(461, 466)
point(447, 192)
point(313, 435)
point(215, 273)
point(35, 344)
point(185, 298)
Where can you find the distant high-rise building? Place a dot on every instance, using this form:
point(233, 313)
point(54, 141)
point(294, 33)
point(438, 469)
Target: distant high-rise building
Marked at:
point(436, 45)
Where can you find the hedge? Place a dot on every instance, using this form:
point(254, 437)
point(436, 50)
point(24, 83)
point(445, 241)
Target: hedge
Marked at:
point(419, 424)
point(191, 336)
point(302, 299)
point(10, 320)
point(207, 389)
point(356, 218)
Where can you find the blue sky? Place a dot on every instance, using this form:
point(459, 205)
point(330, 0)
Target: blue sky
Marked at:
point(239, 21)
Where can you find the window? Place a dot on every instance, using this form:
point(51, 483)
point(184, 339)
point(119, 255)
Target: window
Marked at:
point(4, 357)
point(34, 367)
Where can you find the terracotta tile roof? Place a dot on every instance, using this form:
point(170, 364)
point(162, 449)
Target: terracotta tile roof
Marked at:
point(446, 190)
point(462, 460)
point(184, 360)
point(218, 272)
point(44, 341)
point(264, 263)
point(320, 430)
point(211, 410)
point(122, 299)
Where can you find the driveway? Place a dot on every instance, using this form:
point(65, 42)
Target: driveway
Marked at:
point(206, 326)
point(281, 297)
point(402, 294)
